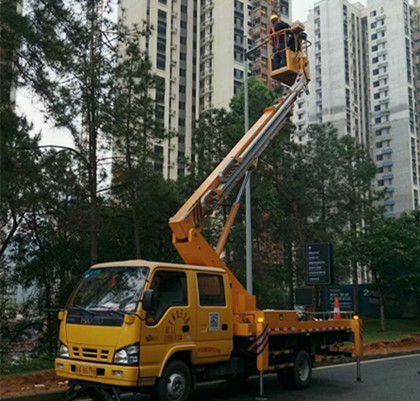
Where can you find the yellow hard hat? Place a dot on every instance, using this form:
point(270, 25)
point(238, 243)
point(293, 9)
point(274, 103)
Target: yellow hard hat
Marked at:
point(274, 17)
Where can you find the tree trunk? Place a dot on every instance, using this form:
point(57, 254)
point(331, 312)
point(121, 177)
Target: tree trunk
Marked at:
point(91, 120)
point(382, 309)
point(136, 228)
point(288, 264)
point(356, 287)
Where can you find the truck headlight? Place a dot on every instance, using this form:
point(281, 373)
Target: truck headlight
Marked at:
point(128, 355)
point(63, 350)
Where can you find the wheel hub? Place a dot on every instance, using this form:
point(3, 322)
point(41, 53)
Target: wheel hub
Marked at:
point(303, 370)
point(176, 386)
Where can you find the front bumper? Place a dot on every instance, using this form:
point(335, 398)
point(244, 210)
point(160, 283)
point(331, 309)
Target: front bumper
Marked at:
point(116, 375)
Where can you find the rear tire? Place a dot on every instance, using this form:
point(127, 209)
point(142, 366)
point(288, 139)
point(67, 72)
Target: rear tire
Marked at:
point(175, 383)
point(298, 376)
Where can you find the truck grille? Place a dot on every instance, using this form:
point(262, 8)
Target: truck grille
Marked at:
point(90, 354)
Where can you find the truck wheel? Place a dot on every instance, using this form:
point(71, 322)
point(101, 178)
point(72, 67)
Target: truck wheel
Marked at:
point(175, 383)
point(299, 376)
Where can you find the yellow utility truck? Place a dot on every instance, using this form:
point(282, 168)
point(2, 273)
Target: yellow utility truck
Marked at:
point(147, 326)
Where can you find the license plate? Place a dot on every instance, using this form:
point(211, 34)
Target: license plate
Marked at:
point(86, 370)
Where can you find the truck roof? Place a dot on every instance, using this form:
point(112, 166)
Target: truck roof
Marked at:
point(152, 265)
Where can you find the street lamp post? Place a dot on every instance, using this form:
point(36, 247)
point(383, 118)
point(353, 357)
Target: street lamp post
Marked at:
point(249, 283)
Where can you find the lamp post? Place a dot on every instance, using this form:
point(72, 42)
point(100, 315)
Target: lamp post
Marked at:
point(249, 283)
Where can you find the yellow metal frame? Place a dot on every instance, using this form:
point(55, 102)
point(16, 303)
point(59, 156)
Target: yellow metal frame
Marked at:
point(296, 61)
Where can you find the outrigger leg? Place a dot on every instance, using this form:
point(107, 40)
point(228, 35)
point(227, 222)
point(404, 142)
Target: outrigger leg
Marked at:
point(98, 392)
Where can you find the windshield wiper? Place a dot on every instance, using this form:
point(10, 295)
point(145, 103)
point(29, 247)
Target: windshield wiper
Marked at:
point(116, 312)
point(81, 308)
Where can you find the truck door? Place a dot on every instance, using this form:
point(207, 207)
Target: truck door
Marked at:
point(214, 318)
point(170, 324)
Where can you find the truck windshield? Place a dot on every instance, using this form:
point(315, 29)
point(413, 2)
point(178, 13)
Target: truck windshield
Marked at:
point(110, 289)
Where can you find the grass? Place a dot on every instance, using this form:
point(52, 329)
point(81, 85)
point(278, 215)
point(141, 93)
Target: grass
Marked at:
point(26, 366)
point(395, 329)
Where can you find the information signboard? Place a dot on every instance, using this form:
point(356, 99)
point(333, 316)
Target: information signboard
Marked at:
point(318, 263)
point(345, 295)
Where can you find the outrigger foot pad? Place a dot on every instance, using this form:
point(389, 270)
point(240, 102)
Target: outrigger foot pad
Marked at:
point(98, 392)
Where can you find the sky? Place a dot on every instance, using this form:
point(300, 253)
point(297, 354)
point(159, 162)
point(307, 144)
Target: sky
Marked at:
point(300, 8)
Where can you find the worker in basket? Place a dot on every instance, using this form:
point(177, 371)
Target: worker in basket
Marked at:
point(278, 41)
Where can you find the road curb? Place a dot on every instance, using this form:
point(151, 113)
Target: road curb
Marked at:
point(367, 357)
point(51, 395)
point(56, 395)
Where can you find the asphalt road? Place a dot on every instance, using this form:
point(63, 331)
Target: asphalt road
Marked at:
point(391, 379)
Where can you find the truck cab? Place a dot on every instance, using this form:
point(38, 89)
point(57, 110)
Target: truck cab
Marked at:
point(108, 337)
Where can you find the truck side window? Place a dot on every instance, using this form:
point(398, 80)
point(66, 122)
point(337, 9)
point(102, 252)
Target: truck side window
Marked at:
point(211, 290)
point(170, 290)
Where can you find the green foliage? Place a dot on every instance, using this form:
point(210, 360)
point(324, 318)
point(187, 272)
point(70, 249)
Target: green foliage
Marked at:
point(301, 193)
point(157, 199)
point(390, 249)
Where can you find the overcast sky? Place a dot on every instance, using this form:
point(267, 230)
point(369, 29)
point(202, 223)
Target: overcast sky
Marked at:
point(300, 8)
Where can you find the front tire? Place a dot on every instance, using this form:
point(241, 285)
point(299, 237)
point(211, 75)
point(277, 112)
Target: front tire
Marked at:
point(175, 383)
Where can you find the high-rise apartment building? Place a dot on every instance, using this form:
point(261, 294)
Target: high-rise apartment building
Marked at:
point(197, 51)
point(363, 82)
point(173, 48)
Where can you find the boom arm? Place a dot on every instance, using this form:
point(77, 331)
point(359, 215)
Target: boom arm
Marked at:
point(186, 223)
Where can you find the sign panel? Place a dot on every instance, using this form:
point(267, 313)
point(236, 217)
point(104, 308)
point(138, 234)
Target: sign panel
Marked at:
point(304, 296)
point(318, 263)
point(345, 295)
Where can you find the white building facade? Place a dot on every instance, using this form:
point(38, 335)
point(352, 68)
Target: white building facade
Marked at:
point(363, 82)
point(196, 50)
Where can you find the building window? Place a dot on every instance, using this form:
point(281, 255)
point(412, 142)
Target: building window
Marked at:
point(161, 61)
point(158, 167)
point(239, 56)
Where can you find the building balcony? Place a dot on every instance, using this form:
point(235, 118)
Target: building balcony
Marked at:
point(208, 39)
point(389, 215)
point(206, 73)
point(388, 176)
point(389, 189)
point(386, 151)
point(389, 202)
point(209, 4)
point(207, 90)
point(207, 56)
point(207, 22)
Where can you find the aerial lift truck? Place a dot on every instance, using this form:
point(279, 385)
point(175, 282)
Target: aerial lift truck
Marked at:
point(160, 327)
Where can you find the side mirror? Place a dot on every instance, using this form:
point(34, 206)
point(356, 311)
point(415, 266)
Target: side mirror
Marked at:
point(148, 300)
